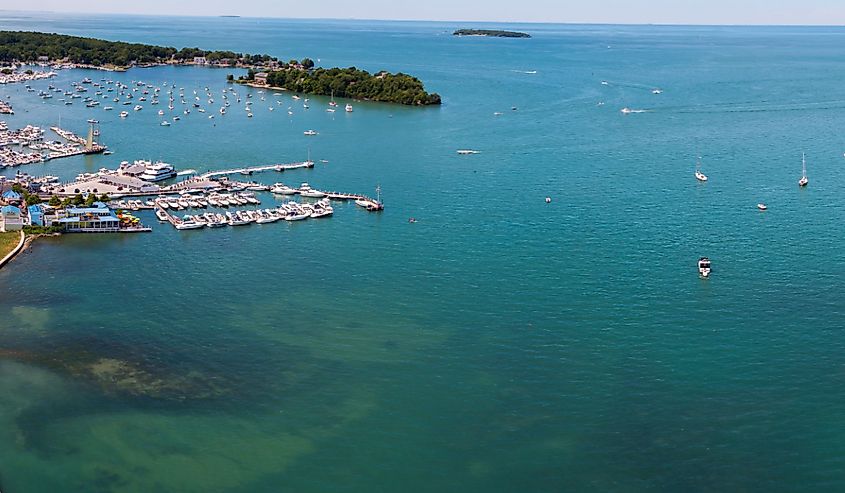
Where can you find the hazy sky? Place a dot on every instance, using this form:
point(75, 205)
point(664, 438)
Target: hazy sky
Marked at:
point(593, 11)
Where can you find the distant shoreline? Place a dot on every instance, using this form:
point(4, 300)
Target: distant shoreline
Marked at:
point(490, 33)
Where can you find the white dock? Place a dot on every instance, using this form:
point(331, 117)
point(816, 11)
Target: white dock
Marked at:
point(257, 169)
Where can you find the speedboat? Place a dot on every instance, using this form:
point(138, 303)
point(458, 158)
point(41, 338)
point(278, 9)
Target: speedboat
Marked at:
point(704, 267)
point(762, 206)
point(349, 108)
point(162, 216)
point(165, 123)
point(124, 114)
point(189, 225)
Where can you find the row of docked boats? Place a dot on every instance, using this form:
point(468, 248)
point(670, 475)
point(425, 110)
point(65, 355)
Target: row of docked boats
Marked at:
point(188, 201)
point(304, 190)
point(290, 211)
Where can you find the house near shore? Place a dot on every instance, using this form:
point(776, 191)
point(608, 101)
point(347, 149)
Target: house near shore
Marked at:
point(36, 214)
point(10, 218)
point(261, 78)
point(200, 60)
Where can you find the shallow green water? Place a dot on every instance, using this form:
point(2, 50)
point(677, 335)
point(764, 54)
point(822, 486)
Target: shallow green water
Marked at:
point(498, 344)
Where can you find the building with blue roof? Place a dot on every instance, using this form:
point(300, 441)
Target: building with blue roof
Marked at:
point(36, 215)
point(95, 219)
point(12, 196)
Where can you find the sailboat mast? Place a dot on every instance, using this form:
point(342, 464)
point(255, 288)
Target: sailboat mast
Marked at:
point(803, 166)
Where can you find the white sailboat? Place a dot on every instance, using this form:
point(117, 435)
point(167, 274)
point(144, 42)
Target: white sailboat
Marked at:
point(698, 174)
point(803, 181)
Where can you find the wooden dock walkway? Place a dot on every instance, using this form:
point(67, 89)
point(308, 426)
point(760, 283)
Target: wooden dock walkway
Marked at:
point(257, 169)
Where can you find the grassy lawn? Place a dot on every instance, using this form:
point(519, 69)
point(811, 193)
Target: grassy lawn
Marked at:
point(8, 241)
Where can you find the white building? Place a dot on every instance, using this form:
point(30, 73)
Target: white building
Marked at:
point(10, 218)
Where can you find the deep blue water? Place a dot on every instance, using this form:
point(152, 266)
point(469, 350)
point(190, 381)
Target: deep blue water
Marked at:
point(498, 344)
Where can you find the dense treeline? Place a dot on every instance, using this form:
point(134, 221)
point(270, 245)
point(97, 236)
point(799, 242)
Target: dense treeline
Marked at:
point(29, 46)
point(353, 83)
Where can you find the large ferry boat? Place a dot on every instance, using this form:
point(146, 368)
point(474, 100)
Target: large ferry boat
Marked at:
point(158, 171)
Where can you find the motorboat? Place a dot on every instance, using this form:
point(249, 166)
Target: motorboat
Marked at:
point(349, 108)
point(704, 267)
point(762, 206)
point(189, 225)
point(162, 216)
point(282, 189)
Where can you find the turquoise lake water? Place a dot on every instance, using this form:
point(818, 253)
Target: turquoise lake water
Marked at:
point(498, 344)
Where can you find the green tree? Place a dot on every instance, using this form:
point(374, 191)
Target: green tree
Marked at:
point(104, 198)
point(55, 201)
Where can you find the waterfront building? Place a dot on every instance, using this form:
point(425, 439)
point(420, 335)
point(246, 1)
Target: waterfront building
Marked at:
point(261, 78)
point(36, 215)
point(10, 218)
point(200, 60)
point(95, 219)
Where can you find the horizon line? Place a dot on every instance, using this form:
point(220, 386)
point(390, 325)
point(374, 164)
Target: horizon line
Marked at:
point(365, 19)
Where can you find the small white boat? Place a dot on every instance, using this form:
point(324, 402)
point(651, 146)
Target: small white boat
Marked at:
point(762, 206)
point(465, 152)
point(124, 114)
point(657, 91)
point(349, 108)
point(704, 267)
point(189, 225)
point(310, 132)
point(138, 107)
point(804, 180)
point(165, 123)
point(162, 216)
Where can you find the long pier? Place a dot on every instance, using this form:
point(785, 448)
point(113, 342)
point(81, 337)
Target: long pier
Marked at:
point(257, 169)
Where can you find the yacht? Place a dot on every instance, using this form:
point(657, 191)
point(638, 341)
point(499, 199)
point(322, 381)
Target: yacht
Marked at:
point(348, 108)
point(698, 174)
point(124, 114)
point(159, 171)
point(282, 189)
point(138, 107)
point(704, 267)
point(310, 132)
point(162, 216)
point(803, 181)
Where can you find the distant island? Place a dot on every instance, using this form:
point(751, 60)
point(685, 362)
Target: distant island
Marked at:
point(490, 33)
point(232, 16)
point(45, 48)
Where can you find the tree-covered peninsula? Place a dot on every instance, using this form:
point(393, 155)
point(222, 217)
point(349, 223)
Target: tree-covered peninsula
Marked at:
point(346, 83)
point(304, 77)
